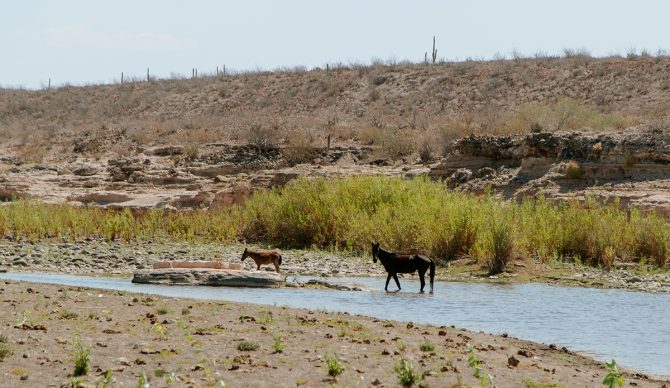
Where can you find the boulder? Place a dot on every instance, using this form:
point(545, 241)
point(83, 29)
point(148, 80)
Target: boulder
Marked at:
point(209, 277)
point(85, 171)
point(10, 194)
point(227, 198)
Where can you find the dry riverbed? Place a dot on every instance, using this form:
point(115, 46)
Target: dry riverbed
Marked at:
point(197, 343)
point(120, 258)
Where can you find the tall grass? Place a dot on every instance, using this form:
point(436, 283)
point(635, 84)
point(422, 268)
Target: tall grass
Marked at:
point(403, 214)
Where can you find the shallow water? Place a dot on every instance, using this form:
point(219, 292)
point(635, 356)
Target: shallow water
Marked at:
point(631, 327)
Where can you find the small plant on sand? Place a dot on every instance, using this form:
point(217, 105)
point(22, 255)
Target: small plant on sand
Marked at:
point(335, 367)
point(69, 315)
point(5, 351)
point(484, 378)
point(265, 317)
point(185, 311)
point(278, 345)
point(426, 346)
point(105, 380)
point(401, 345)
point(247, 346)
point(142, 380)
point(405, 372)
point(82, 357)
point(573, 170)
point(162, 311)
point(614, 378)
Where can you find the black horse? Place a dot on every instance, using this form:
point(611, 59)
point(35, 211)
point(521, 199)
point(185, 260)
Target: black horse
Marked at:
point(395, 263)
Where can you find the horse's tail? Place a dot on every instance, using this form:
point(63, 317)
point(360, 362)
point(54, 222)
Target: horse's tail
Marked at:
point(432, 274)
point(279, 259)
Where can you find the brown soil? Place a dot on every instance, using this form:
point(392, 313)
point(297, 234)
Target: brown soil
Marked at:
point(194, 343)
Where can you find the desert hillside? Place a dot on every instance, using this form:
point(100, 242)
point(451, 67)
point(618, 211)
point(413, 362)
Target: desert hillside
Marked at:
point(378, 105)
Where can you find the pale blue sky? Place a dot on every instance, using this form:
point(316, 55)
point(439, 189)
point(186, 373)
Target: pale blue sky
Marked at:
point(85, 41)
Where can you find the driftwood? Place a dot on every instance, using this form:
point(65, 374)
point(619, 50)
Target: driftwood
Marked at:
point(197, 264)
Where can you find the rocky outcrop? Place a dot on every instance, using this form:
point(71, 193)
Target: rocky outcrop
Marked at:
point(603, 156)
point(633, 167)
point(209, 277)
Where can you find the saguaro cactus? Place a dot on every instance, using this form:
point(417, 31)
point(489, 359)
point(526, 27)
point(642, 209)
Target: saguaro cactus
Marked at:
point(434, 50)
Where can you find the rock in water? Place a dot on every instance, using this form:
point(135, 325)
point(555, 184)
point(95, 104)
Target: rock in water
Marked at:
point(209, 277)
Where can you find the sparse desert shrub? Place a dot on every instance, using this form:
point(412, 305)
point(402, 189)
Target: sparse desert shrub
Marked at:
point(374, 95)
point(247, 346)
point(68, 315)
point(162, 311)
point(335, 367)
point(262, 138)
point(5, 351)
point(573, 170)
point(426, 346)
point(278, 344)
point(192, 151)
point(82, 357)
point(614, 377)
point(404, 369)
point(597, 149)
point(142, 380)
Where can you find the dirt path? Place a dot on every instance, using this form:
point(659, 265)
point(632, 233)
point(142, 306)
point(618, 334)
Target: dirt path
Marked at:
point(195, 343)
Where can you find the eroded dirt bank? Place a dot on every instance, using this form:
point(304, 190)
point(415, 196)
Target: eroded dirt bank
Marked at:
point(195, 343)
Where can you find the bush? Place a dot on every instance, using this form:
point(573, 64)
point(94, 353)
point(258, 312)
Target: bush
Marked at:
point(5, 351)
point(405, 372)
point(404, 214)
point(501, 247)
point(573, 170)
point(278, 345)
point(82, 357)
point(247, 346)
point(335, 367)
point(426, 346)
point(651, 239)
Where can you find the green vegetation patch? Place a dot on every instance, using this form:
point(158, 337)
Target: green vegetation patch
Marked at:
point(403, 214)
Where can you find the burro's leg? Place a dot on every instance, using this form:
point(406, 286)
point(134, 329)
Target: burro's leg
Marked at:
point(395, 277)
point(421, 278)
point(388, 279)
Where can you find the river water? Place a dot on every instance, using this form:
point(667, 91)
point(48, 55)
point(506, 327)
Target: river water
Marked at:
point(631, 327)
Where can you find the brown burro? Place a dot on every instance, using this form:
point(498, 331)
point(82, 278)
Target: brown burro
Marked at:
point(262, 258)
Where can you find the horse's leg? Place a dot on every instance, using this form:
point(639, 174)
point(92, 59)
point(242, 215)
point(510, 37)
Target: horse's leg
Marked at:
point(388, 279)
point(276, 266)
point(258, 268)
point(395, 277)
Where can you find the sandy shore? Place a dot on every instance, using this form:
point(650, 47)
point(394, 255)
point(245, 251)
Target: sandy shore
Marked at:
point(195, 343)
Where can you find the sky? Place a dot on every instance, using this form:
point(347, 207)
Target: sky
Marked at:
point(84, 41)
